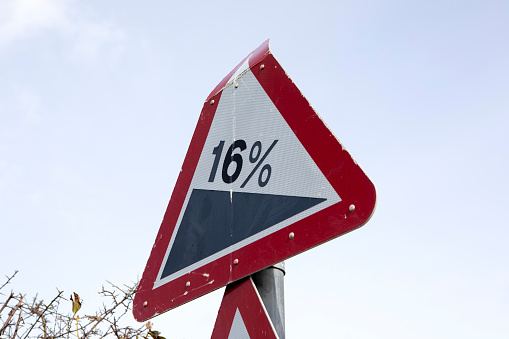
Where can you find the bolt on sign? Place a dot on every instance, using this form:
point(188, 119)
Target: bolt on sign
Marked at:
point(263, 180)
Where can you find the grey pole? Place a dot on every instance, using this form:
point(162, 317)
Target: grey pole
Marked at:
point(271, 287)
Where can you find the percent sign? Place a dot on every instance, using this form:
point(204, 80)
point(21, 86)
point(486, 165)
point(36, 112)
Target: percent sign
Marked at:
point(237, 158)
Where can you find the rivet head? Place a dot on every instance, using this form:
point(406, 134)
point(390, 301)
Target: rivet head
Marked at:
point(262, 66)
point(291, 235)
point(236, 261)
point(351, 208)
point(188, 284)
point(236, 85)
point(212, 102)
point(145, 304)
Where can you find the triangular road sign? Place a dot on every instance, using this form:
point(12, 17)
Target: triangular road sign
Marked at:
point(263, 180)
point(242, 314)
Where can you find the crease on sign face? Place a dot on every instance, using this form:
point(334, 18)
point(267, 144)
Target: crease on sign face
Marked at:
point(240, 71)
point(288, 174)
point(234, 118)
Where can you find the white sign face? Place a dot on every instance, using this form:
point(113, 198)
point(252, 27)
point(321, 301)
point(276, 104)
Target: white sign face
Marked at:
point(238, 330)
point(253, 178)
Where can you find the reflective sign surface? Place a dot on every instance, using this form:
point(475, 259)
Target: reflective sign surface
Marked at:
point(264, 179)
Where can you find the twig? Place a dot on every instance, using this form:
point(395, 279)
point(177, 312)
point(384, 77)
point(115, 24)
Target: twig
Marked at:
point(77, 327)
point(9, 279)
point(44, 327)
point(35, 322)
point(17, 326)
point(11, 314)
point(108, 312)
point(6, 302)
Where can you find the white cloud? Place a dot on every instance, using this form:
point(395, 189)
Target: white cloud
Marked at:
point(28, 102)
point(90, 40)
point(20, 19)
point(85, 38)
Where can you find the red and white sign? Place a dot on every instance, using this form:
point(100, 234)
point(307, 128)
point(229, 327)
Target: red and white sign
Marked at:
point(242, 314)
point(263, 180)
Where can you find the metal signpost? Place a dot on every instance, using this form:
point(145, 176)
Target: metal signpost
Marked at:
point(270, 285)
point(263, 180)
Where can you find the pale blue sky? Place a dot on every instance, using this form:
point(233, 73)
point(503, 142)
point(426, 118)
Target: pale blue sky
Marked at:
point(99, 100)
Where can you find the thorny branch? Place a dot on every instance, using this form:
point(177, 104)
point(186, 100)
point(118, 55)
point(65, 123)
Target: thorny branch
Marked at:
point(41, 314)
point(22, 319)
point(11, 314)
point(9, 279)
